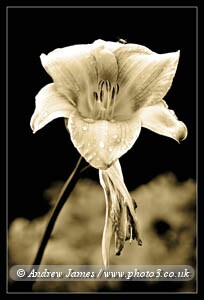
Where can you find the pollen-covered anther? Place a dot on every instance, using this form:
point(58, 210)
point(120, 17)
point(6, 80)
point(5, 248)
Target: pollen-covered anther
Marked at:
point(104, 100)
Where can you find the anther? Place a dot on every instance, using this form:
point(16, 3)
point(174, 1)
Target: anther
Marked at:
point(95, 96)
point(113, 93)
point(117, 88)
point(100, 84)
point(101, 95)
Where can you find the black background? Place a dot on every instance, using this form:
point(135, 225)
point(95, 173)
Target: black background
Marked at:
point(35, 161)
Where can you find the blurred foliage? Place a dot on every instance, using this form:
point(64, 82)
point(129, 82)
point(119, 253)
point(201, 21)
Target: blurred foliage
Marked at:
point(167, 218)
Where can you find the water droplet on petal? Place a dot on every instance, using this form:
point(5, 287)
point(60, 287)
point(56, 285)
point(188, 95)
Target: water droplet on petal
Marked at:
point(110, 149)
point(88, 120)
point(90, 158)
point(84, 128)
point(115, 136)
point(101, 144)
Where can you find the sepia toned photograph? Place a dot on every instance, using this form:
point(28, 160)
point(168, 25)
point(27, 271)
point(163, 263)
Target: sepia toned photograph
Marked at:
point(101, 149)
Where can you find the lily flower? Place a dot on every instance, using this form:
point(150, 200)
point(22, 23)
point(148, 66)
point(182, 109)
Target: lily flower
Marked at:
point(107, 91)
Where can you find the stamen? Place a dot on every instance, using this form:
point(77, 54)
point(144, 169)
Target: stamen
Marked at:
point(108, 98)
point(113, 93)
point(101, 95)
point(108, 86)
point(104, 100)
point(95, 96)
point(117, 88)
point(100, 84)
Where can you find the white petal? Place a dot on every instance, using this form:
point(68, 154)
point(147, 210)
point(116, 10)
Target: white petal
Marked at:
point(144, 77)
point(70, 67)
point(79, 68)
point(129, 48)
point(161, 120)
point(111, 46)
point(107, 67)
point(101, 142)
point(73, 69)
point(49, 106)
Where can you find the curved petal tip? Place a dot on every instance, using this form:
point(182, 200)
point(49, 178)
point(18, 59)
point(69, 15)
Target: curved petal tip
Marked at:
point(181, 133)
point(49, 106)
point(162, 120)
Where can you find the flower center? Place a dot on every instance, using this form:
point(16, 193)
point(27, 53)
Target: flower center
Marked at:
point(104, 100)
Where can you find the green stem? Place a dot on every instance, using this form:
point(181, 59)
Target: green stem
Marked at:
point(62, 198)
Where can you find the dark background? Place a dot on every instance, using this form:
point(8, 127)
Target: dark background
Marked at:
point(35, 161)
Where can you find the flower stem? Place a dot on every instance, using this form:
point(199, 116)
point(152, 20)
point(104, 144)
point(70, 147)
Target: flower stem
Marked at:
point(65, 192)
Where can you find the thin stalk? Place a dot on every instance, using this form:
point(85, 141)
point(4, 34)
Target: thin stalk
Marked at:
point(62, 198)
